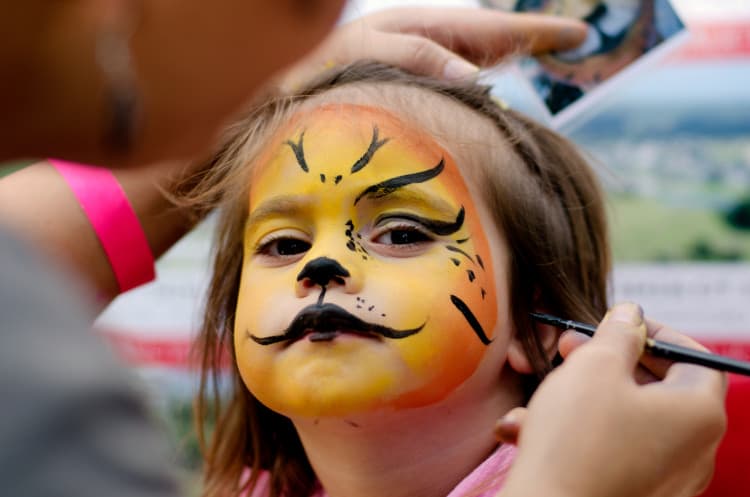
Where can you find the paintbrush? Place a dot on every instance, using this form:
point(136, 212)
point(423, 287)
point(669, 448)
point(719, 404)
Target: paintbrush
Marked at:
point(657, 348)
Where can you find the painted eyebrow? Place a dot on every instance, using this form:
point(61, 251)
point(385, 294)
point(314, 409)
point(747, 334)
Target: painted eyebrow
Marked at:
point(389, 186)
point(283, 205)
point(410, 196)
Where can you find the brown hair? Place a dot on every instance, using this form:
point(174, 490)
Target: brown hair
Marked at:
point(544, 198)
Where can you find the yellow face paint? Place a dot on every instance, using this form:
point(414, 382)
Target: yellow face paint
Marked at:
point(367, 280)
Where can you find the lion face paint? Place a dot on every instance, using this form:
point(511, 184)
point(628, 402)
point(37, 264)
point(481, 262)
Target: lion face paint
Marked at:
point(367, 280)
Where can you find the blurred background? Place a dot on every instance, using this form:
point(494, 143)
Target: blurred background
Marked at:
point(672, 144)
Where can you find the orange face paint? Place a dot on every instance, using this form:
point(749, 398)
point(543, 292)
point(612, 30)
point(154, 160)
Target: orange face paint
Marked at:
point(367, 279)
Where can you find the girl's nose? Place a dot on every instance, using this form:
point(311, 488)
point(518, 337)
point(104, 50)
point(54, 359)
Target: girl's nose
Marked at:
point(324, 273)
point(321, 272)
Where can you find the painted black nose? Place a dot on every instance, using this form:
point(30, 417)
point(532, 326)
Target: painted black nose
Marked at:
point(322, 270)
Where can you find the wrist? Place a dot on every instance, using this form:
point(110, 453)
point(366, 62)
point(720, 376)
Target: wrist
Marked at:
point(113, 220)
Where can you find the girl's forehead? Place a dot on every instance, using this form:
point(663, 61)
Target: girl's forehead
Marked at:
point(336, 141)
point(356, 122)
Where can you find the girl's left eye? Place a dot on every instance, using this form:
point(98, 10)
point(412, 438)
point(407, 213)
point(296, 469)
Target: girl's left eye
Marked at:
point(401, 235)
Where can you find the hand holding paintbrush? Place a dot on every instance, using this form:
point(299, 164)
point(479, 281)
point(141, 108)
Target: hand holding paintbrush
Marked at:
point(631, 437)
point(657, 348)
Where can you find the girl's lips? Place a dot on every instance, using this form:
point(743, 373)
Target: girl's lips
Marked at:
point(329, 335)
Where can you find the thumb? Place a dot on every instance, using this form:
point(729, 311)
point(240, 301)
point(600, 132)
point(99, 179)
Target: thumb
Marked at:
point(623, 330)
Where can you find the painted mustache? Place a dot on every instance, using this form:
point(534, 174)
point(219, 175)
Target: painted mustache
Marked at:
point(326, 321)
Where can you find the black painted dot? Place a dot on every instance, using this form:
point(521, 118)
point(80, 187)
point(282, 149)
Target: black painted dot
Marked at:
point(350, 245)
point(382, 315)
point(337, 179)
point(479, 261)
point(371, 308)
point(348, 233)
point(462, 240)
point(322, 178)
point(456, 262)
point(359, 306)
point(484, 292)
point(364, 257)
point(350, 224)
point(471, 274)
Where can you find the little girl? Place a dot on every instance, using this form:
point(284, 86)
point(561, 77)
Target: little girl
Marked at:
point(383, 238)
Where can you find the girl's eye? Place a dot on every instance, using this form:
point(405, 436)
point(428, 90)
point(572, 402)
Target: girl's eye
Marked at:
point(283, 247)
point(402, 235)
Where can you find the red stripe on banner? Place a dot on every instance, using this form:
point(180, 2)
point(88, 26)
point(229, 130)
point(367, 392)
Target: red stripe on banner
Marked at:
point(139, 351)
point(716, 40)
point(737, 349)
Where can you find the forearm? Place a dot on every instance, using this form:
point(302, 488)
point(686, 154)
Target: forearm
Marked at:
point(38, 204)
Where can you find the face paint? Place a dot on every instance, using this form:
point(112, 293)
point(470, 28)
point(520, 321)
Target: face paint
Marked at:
point(367, 280)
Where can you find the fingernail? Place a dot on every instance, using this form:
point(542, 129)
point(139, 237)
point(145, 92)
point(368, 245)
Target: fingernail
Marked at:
point(627, 312)
point(459, 68)
point(571, 37)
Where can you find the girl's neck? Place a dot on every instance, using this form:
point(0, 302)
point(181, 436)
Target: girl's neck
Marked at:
point(423, 452)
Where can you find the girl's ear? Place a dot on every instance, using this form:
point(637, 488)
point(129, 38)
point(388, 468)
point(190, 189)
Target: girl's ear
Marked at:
point(517, 357)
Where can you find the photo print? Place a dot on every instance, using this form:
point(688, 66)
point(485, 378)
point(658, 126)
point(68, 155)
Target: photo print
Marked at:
point(623, 35)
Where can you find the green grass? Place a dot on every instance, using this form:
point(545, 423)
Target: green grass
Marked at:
point(644, 229)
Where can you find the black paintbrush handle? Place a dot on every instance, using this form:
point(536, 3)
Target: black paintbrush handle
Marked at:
point(658, 348)
point(679, 353)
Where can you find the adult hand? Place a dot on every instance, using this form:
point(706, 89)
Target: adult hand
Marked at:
point(592, 429)
point(440, 42)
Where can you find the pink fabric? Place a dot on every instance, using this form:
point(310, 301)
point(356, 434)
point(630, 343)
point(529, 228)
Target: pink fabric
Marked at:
point(485, 481)
point(488, 476)
point(114, 221)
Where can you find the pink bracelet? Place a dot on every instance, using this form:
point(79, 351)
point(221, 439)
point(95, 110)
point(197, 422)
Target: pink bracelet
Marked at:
point(114, 222)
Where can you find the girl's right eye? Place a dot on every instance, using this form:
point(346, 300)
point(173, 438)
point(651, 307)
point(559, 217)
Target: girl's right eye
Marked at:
point(282, 246)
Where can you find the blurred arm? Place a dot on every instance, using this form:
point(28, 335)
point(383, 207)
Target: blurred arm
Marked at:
point(38, 204)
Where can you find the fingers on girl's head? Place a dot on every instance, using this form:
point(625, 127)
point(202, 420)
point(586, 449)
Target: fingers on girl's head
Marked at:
point(419, 55)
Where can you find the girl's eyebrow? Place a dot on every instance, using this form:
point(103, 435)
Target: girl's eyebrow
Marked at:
point(282, 205)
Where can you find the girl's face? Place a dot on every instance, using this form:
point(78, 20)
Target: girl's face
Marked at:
point(367, 278)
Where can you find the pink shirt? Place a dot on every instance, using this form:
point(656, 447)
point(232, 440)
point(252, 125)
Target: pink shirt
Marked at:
point(487, 478)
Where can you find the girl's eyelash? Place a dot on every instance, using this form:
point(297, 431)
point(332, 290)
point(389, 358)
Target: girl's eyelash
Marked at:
point(393, 223)
point(262, 245)
point(404, 221)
